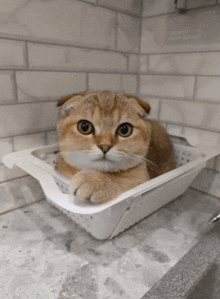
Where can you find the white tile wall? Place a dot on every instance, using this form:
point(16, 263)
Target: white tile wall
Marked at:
point(51, 49)
point(174, 129)
point(29, 141)
point(70, 22)
point(6, 147)
point(187, 63)
point(143, 63)
point(44, 86)
point(113, 82)
point(193, 31)
point(131, 6)
point(194, 114)
point(128, 33)
point(7, 87)
point(180, 66)
point(167, 86)
point(133, 63)
point(12, 54)
point(157, 7)
point(154, 104)
point(51, 57)
point(199, 3)
point(208, 89)
point(51, 137)
point(27, 118)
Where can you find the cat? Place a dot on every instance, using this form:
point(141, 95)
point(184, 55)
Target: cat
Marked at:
point(108, 145)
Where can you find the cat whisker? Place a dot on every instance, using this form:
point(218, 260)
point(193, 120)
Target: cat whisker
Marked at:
point(151, 164)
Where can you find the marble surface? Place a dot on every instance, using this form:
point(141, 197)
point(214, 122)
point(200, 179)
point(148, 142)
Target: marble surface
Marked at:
point(43, 254)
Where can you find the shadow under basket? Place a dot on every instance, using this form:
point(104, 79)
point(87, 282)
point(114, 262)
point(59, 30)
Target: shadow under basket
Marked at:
point(108, 219)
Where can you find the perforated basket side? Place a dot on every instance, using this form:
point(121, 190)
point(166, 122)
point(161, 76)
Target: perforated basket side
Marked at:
point(147, 203)
point(100, 225)
point(185, 154)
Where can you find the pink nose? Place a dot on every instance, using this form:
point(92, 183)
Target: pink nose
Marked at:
point(105, 147)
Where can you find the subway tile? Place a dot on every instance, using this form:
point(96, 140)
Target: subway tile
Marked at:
point(52, 137)
point(156, 7)
point(7, 174)
point(12, 54)
point(129, 84)
point(174, 129)
point(187, 63)
point(113, 82)
point(128, 33)
point(208, 89)
point(29, 141)
point(167, 86)
point(199, 3)
point(66, 22)
point(27, 118)
point(7, 87)
point(6, 147)
point(201, 115)
point(43, 86)
point(131, 6)
point(154, 104)
point(143, 63)
point(51, 57)
point(133, 62)
point(191, 32)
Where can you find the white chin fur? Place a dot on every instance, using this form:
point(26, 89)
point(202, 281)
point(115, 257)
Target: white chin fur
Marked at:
point(95, 160)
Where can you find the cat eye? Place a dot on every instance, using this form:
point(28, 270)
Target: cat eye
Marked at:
point(125, 130)
point(85, 127)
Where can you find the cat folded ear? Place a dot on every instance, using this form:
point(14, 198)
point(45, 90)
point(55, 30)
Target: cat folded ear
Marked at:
point(63, 100)
point(144, 105)
point(67, 103)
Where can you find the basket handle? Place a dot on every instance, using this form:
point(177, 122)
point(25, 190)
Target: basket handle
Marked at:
point(52, 192)
point(185, 139)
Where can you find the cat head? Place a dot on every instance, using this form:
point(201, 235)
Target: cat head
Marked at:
point(103, 131)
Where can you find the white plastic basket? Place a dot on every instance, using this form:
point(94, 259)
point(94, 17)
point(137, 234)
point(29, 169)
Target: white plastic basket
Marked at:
point(109, 219)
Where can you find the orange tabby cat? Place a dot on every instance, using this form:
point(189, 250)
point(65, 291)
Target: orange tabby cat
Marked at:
point(107, 144)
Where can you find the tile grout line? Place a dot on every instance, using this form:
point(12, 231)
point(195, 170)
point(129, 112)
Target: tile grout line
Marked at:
point(205, 192)
point(139, 53)
point(175, 12)
point(118, 71)
point(195, 89)
point(75, 46)
point(74, 71)
point(114, 9)
point(23, 206)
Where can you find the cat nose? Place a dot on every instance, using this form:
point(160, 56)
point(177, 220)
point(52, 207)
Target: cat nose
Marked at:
point(105, 147)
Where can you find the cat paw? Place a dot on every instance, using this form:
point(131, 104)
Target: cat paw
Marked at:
point(90, 185)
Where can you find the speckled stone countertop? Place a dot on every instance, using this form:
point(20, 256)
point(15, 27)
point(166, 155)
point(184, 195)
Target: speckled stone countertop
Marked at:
point(45, 255)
